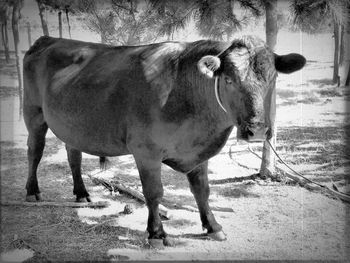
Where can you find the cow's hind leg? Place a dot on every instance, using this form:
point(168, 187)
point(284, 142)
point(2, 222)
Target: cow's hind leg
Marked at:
point(199, 185)
point(37, 129)
point(74, 159)
point(152, 187)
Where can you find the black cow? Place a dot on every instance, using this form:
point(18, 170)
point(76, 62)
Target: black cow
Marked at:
point(173, 103)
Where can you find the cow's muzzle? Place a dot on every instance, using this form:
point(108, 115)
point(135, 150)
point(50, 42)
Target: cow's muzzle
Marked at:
point(254, 132)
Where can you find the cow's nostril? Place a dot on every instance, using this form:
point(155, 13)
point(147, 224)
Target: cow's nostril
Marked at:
point(250, 133)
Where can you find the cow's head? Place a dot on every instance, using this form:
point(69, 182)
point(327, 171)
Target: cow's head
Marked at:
point(248, 70)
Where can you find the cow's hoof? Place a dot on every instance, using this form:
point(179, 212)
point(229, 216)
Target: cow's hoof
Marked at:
point(83, 199)
point(160, 243)
point(218, 236)
point(33, 198)
point(156, 243)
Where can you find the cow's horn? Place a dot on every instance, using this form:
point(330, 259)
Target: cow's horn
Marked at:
point(207, 65)
point(217, 96)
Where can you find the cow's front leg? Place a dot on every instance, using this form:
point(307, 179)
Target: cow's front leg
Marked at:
point(199, 185)
point(150, 175)
point(74, 159)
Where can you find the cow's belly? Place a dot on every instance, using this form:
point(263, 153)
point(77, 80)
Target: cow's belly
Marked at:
point(87, 133)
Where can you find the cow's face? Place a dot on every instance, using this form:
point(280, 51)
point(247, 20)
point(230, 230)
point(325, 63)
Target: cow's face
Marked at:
point(249, 70)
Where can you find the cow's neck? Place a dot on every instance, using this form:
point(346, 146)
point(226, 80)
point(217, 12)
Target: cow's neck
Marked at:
point(203, 90)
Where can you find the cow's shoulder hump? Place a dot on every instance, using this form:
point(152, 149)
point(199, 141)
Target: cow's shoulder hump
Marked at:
point(160, 66)
point(40, 44)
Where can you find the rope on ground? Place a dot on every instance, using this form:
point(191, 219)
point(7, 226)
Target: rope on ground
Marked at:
point(164, 211)
point(238, 163)
point(311, 185)
point(334, 192)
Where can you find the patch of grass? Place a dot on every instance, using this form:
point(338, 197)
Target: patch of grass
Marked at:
point(301, 134)
point(329, 93)
point(8, 68)
point(7, 91)
point(341, 113)
point(322, 82)
point(169, 200)
point(297, 85)
point(288, 103)
point(286, 93)
point(309, 98)
point(6, 144)
point(237, 191)
point(178, 223)
point(340, 179)
point(176, 179)
point(314, 145)
point(52, 146)
point(15, 157)
point(346, 94)
point(47, 231)
point(291, 98)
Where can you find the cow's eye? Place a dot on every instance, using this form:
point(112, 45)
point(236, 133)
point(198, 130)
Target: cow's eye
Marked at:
point(228, 80)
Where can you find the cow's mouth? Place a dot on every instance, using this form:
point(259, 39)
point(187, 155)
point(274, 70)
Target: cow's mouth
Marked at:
point(254, 133)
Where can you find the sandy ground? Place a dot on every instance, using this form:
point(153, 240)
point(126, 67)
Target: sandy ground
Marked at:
point(269, 220)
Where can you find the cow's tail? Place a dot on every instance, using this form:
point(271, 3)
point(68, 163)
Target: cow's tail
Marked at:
point(104, 163)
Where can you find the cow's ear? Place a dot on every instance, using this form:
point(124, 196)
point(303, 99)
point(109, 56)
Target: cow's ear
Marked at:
point(207, 65)
point(160, 66)
point(289, 63)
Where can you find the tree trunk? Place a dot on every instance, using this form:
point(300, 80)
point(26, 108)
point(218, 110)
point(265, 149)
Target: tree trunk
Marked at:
point(60, 23)
point(103, 38)
point(42, 18)
point(29, 34)
point(268, 163)
point(336, 53)
point(341, 51)
point(271, 23)
point(267, 168)
point(347, 82)
point(67, 16)
point(15, 30)
point(232, 7)
point(5, 41)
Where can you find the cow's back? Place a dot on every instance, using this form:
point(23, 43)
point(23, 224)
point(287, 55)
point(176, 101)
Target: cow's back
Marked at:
point(85, 90)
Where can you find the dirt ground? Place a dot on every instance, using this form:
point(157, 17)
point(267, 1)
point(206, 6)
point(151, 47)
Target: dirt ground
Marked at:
point(268, 220)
